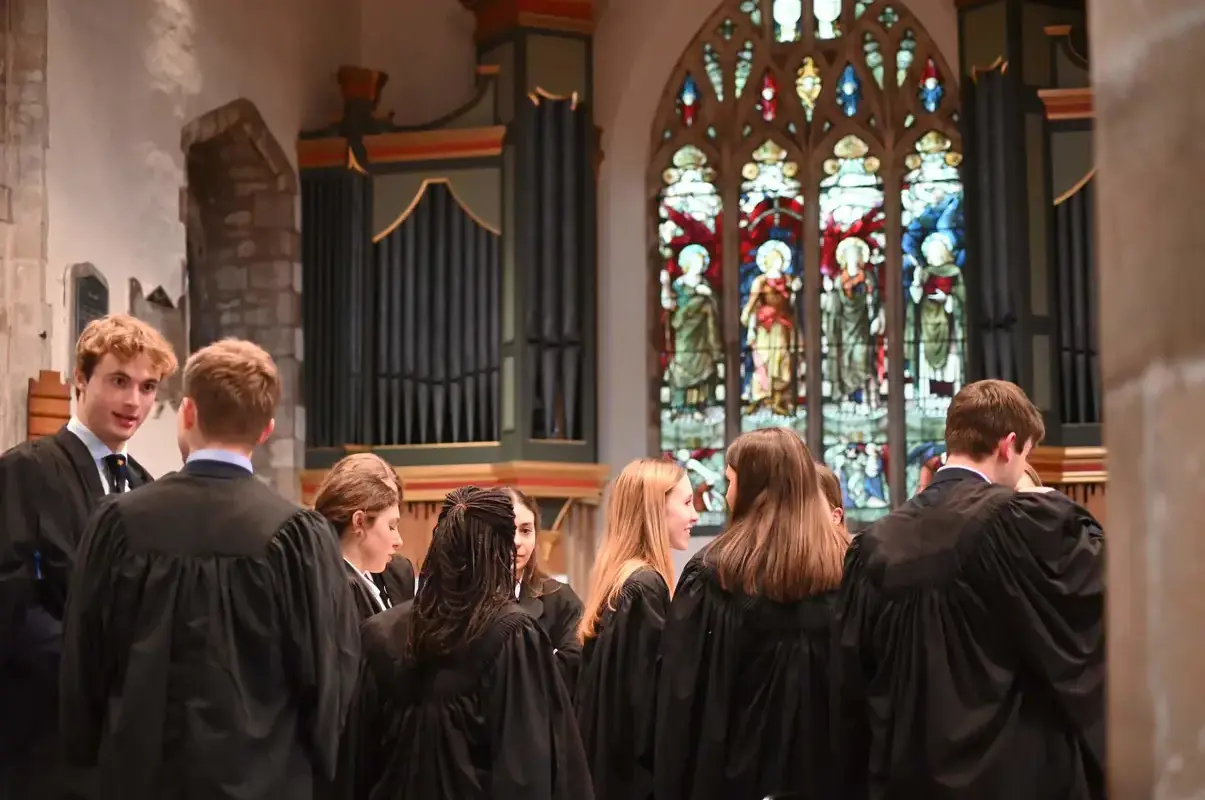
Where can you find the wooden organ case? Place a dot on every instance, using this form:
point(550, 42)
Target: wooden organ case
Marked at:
point(449, 282)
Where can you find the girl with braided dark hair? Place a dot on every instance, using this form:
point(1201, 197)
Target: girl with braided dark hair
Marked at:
point(461, 695)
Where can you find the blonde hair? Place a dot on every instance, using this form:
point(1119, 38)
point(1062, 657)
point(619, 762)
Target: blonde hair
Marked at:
point(235, 386)
point(1033, 476)
point(781, 543)
point(126, 338)
point(635, 537)
point(359, 482)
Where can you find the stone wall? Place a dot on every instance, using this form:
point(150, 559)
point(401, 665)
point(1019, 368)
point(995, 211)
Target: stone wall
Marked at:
point(24, 312)
point(244, 266)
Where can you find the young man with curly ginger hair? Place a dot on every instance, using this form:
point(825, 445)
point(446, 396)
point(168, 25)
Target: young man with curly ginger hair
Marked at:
point(48, 490)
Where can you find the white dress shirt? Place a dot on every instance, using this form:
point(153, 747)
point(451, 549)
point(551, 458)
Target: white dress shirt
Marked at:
point(96, 448)
point(372, 587)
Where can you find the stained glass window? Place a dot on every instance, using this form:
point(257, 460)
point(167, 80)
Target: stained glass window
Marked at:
point(773, 365)
point(824, 119)
point(934, 295)
point(692, 352)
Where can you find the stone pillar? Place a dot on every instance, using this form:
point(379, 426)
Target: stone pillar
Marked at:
point(24, 314)
point(1145, 63)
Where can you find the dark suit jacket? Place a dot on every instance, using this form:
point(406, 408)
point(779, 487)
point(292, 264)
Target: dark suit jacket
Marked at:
point(559, 610)
point(48, 490)
point(398, 578)
point(396, 583)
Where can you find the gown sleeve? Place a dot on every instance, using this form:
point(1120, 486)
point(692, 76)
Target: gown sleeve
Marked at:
point(853, 617)
point(538, 753)
point(320, 636)
point(623, 690)
point(563, 633)
point(18, 522)
point(84, 673)
point(1041, 567)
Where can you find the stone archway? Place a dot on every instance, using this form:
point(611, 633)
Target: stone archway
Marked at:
point(243, 260)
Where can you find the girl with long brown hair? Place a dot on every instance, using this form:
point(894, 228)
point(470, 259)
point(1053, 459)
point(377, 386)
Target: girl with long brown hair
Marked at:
point(361, 498)
point(553, 603)
point(743, 698)
point(650, 512)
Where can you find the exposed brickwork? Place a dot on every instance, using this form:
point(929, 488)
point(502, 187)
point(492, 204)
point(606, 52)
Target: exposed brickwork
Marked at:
point(244, 252)
point(24, 314)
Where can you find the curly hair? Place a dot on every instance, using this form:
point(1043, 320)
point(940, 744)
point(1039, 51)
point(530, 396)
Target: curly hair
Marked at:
point(468, 574)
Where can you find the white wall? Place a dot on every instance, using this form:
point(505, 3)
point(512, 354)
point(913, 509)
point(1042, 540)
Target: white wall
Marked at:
point(124, 77)
point(428, 51)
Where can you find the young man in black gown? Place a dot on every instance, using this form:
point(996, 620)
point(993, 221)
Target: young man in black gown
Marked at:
point(971, 637)
point(48, 490)
point(211, 645)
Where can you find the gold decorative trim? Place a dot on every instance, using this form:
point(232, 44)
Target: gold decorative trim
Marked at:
point(353, 163)
point(1067, 195)
point(540, 93)
point(999, 63)
point(575, 442)
point(418, 198)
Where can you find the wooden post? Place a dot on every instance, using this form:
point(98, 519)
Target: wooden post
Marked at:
point(49, 404)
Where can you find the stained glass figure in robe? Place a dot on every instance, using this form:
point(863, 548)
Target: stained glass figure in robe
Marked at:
point(934, 259)
point(771, 231)
point(849, 90)
point(854, 342)
point(692, 353)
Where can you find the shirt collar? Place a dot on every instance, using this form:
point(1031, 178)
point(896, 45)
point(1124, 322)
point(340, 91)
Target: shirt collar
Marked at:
point(986, 479)
point(96, 448)
point(370, 583)
point(222, 456)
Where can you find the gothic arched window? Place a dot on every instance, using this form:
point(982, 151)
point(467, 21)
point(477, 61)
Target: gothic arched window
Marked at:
point(808, 246)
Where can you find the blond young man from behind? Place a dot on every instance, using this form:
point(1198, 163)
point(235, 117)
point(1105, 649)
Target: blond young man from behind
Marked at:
point(211, 643)
point(971, 649)
point(48, 490)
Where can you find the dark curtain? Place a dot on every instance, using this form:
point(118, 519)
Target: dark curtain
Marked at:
point(434, 331)
point(558, 238)
point(336, 218)
point(995, 183)
point(1079, 378)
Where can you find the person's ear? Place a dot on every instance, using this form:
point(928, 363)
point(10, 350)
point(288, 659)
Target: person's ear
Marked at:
point(1006, 448)
point(357, 521)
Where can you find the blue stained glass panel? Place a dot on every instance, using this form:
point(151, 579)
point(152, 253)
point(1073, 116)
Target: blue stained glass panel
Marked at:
point(934, 249)
point(849, 90)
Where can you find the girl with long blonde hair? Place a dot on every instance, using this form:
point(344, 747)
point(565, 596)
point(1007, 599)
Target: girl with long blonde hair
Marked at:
point(743, 698)
point(650, 512)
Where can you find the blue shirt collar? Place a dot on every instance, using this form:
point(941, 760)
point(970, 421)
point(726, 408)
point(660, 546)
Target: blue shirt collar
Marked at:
point(96, 448)
point(223, 456)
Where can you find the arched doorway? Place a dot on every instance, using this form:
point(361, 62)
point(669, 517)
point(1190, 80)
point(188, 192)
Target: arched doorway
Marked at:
point(807, 243)
point(243, 253)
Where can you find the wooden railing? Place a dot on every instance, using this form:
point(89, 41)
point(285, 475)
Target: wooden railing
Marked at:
point(1078, 472)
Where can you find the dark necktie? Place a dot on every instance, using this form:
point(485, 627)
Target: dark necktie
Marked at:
point(118, 470)
point(380, 584)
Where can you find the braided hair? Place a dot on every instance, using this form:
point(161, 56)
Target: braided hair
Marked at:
point(468, 574)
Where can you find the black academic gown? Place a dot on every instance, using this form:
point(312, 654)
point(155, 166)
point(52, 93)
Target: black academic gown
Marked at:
point(559, 610)
point(971, 653)
point(211, 646)
point(617, 688)
point(398, 579)
point(744, 697)
point(48, 490)
point(493, 721)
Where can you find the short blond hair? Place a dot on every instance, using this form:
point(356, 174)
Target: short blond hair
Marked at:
point(359, 482)
point(235, 387)
point(126, 338)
